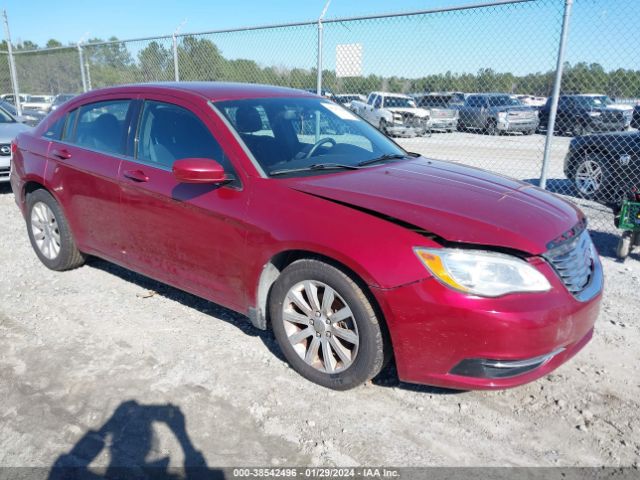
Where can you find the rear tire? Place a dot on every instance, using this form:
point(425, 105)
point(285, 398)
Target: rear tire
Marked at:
point(325, 325)
point(50, 234)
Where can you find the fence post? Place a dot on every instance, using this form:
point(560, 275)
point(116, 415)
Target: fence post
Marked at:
point(556, 92)
point(84, 77)
point(176, 69)
point(12, 65)
point(320, 39)
point(88, 74)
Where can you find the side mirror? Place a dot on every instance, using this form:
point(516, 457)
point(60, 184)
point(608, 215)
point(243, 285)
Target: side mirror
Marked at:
point(199, 170)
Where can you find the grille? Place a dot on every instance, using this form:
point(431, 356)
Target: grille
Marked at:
point(574, 262)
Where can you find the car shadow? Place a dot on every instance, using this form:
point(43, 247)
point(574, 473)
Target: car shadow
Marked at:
point(5, 188)
point(561, 186)
point(206, 307)
point(388, 378)
point(128, 436)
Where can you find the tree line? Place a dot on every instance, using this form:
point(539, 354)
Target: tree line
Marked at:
point(58, 71)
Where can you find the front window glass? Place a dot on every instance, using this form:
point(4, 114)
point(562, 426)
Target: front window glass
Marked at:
point(399, 102)
point(168, 133)
point(290, 133)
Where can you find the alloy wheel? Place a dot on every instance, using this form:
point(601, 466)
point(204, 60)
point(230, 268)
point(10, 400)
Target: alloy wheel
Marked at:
point(588, 177)
point(44, 227)
point(320, 326)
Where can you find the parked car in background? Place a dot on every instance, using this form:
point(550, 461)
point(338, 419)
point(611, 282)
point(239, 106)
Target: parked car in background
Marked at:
point(351, 249)
point(495, 113)
point(29, 117)
point(442, 116)
point(588, 113)
point(604, 167)
point(38, 102)
point(532, 101)
point(393, 113)
point(345, 99)
point(635, 121)
point(10, 97)
point(10, 127)
point(60, 99)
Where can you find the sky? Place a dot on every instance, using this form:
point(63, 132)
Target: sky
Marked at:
point(521, 39)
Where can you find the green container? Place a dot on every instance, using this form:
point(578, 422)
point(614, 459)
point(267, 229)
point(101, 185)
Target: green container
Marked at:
point(630, 216)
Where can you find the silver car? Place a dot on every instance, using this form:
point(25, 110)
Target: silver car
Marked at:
point(9, 128)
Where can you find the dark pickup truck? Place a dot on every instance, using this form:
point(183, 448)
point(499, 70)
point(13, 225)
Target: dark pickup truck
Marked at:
point(585, 114)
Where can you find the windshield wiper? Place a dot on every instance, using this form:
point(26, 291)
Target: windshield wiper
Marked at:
point(385, 157)
point(315, 166)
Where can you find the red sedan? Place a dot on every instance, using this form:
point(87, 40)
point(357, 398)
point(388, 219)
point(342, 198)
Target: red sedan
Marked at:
point(288, 208)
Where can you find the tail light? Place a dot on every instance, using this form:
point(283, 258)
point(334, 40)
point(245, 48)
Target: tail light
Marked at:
point(14, 146)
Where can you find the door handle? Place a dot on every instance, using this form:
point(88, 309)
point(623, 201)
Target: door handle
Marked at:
point(136, 175)
point(61, 153)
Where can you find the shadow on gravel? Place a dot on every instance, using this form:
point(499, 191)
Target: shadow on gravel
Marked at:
point(5, 188)
point(561, 186)
point(201, 305)
point(129, 437)
point(388, 377)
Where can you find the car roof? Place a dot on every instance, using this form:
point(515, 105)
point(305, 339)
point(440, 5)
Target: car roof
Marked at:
point(214, 91)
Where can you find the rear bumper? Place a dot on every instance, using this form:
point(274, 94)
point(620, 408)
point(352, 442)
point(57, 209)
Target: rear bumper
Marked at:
point(438, 334)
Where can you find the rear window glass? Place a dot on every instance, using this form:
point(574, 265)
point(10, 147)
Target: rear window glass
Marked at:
point(101, 126)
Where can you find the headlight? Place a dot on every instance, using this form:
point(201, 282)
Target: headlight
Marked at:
point(595, 114)
point(483, 273)
point(397, 118)
point(502, 115)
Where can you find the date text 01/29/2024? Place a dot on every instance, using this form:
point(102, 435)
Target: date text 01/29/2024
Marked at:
point(316, 472)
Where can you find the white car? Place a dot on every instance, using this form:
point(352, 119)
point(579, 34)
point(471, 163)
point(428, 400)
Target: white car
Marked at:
point(38, 102)
point(393, 114)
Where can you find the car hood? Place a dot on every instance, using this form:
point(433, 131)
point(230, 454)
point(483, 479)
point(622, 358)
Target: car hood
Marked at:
point(513, 108)
point(620, 106)
point(418, 112)
point(9, 131)
point(456, 203)
point(622, 142)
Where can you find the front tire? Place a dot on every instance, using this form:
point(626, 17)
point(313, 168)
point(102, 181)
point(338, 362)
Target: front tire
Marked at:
point(50, 234)
point(326, 327)
point(591, 178)
point(491, 128)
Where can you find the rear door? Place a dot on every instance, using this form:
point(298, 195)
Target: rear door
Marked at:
point(187, 235)
point(83, 170)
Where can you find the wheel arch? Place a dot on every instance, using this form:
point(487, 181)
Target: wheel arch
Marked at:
point(259, 313)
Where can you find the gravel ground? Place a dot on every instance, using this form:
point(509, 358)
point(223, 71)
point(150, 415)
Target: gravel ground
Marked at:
point(100, 364)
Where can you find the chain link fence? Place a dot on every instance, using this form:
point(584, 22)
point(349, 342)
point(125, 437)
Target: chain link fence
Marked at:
point(471, 84)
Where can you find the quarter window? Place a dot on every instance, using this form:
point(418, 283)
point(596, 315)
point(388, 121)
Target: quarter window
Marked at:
point(168, 133)
point(102, 126)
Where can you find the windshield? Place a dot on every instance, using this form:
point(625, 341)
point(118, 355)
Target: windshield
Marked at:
point(39, 99)
point(595, 101)
point(9, 108)
point(399, 102)
point(5, 117)
point(60, 99)
point(292, 133)
point(501, 100)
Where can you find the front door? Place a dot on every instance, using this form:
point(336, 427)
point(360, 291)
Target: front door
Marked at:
point(187, 235)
